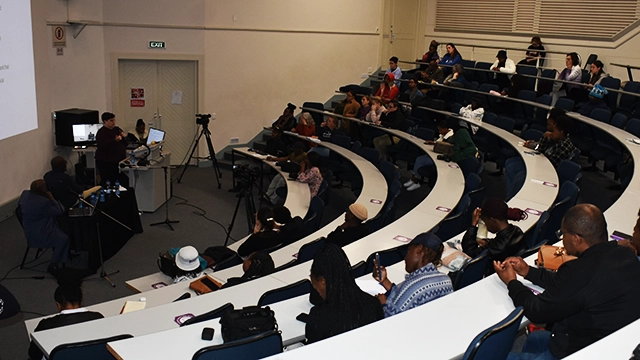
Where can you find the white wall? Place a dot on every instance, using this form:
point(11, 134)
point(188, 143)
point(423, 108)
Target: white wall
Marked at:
point(275, 52)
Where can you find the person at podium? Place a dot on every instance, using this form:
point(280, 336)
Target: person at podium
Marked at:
point(112, 148)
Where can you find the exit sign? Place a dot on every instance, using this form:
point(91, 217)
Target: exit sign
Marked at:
point(157, 45)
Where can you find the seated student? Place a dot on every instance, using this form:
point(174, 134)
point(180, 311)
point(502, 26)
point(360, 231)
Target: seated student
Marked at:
point(286, 121)
point(595, 101)
point(534, 53)
point(296, 157)
point(365, 107)
point(353, 227)
point(432, 74)
point(140, 133)
point(517, 84)
point(456, 79)
point(413, 94)
point(290, 229)
point(256, 265)
point(275, 144)
point(452, 57)
point(555, 143)
point(509, 238)
point(68, 299)
point(431, 55)
point(328, 129)
point(444, 134)
point(505, 68)
point(423, 283)
point(572, 73)
point(634, 243)
point(350, 109)
point(586, 299)
point(377, 109)
point(310, 173)
point(344, 306)
point(264, 237)
point(188, 263)
point(306, 126)
point(473, 111)
point(63, 187)
point(388, 89)
point(394, 69)
point(580, 94)
point(392, 118)
point(39, 221)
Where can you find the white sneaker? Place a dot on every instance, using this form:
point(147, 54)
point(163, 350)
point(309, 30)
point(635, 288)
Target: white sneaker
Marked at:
point(408, 183)
point(413, 187)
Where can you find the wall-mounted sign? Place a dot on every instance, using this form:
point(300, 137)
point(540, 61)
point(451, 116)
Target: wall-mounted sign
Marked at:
point(137, 97)
point(59, 36)
point(157, 45)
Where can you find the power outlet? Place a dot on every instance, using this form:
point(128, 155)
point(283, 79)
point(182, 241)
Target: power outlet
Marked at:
point(213, 116)
point(369, 69)
point(364, 75)
point(234, 140)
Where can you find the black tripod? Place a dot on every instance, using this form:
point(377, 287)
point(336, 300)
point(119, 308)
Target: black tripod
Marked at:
point(246, 193)
point(212, 154)
point(103, 273)
point(166, 202)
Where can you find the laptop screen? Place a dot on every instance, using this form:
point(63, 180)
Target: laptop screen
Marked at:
point(155, 135)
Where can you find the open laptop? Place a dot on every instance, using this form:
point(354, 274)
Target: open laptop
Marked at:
point(156, 135)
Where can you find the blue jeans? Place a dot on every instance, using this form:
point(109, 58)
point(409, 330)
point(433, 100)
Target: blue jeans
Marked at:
point(422, 161)
point(535, 348)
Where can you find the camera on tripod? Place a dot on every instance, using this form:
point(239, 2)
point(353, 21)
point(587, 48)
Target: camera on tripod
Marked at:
point(203, 119)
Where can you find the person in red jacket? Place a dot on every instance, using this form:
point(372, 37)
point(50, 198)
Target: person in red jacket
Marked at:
point(388, 90)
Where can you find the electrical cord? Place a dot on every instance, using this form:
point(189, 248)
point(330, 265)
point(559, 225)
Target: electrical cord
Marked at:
point(6, 275)
point(202, 213)
point(32, 313)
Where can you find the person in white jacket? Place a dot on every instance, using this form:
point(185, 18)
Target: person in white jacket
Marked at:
point(504, 68)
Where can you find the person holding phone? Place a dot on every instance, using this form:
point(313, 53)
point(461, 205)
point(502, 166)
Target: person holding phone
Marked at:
point(423, 283)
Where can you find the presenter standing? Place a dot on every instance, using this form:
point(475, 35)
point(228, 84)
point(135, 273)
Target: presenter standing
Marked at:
point(112, 148)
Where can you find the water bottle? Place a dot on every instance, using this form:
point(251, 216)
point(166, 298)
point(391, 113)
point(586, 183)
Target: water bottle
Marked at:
point(80, 203)
point(102, 198)
point(108, 186)
point(133, 158)
point(94, 199)
point(117, 187)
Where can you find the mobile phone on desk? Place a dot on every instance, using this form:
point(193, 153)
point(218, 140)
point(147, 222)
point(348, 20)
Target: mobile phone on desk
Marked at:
point(378, 267)
point(207, 334)
point(302, 317)
point(617, 236)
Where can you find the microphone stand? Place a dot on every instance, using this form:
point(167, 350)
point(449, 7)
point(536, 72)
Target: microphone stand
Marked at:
point(103, 273)
point(166, 200)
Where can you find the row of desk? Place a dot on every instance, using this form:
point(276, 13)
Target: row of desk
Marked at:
point(362, 342)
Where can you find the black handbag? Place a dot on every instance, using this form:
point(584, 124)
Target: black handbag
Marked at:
point(167, 264)
point(248, 321)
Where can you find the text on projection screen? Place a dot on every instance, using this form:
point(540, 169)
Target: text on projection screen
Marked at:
point(18, 111)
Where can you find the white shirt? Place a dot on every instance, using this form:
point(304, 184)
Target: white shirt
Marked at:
point(508, 68)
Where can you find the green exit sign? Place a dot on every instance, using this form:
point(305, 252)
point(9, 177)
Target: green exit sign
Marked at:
point(157, 45)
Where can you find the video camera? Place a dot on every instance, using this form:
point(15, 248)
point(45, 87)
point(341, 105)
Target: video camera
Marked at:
point(203, 119)
point(245, 176)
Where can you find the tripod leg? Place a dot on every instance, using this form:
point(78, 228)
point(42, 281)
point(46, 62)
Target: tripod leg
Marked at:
point(195, 146)
point(212, 154)
point(233, 219)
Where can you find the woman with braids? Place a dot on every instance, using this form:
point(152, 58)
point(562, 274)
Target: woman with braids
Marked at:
point(263, 237)
point(258, 264)
point(344, 306)
point(423, 283)
point(509, 238)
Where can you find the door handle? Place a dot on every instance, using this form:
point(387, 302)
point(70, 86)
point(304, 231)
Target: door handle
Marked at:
point(393, 36)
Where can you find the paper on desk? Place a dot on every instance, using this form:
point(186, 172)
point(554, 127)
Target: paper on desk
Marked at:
point(370, 286)
point(131, 306)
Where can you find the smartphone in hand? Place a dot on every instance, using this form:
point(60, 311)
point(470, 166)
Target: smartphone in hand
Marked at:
point(378, 267)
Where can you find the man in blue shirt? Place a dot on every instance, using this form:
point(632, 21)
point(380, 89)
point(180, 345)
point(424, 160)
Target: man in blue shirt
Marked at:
point(423, 283)
point(394, 69)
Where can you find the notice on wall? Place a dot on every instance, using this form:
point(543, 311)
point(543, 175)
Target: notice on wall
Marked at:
point(137, 97)
point(59, 37)
point(176, 97)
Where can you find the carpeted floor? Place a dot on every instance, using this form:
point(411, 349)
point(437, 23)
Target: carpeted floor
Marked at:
point(204, 213)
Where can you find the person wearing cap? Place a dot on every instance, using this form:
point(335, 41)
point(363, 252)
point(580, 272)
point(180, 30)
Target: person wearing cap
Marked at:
point(424, 282)
point(188, 263)
point(596, 101)
point(354, 227)
point(388, 89)
point(505, 68)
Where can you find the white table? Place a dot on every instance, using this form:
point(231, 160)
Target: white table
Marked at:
point(145, 347)
point(618, 345)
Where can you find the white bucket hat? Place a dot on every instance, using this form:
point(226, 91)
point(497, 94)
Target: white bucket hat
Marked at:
point(187, 259)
